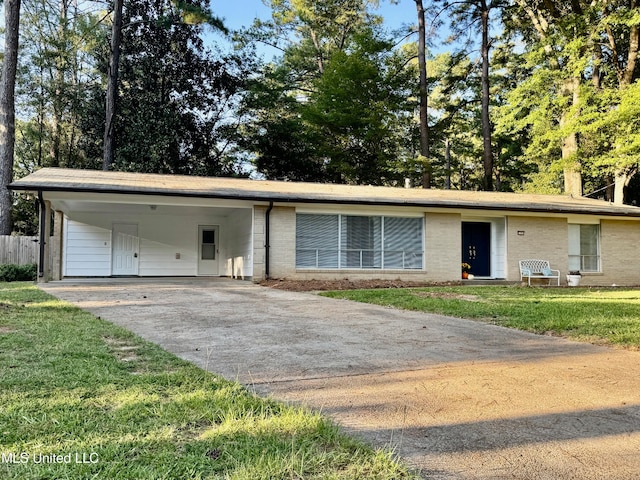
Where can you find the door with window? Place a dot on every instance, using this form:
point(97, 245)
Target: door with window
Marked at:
point(126, 245)
point(476, 247)
point(208, 250)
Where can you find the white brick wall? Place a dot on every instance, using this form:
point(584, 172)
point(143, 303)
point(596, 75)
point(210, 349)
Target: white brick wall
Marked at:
point(258, 243)
point(537, 237)
point(619, 242)
point(526, 237)
point(443, 246)
point(283, 242)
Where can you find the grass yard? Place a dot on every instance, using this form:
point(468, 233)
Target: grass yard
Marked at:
point(603, 316)
point(82, 398)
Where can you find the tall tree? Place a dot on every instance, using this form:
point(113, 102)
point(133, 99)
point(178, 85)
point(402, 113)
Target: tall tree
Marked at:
point(317, 28)
point(173, 94)
point(485, 45)
point(7, 110)
point(58, 68)
point(466, 18)
point(455, 84)
point(176, 12)
point(423, 96)
point(112, 84)
point(312, 99)
point(581, 56)
point(356, 108)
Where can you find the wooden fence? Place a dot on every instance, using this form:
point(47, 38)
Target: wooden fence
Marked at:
point(18, 250)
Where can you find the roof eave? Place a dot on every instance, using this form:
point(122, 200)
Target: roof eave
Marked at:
point(311, 199)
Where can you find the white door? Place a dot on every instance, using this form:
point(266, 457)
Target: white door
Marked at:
point(125, 249)
point(208, 245)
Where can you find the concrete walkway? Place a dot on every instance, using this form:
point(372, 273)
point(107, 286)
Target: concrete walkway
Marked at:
point(457, 399)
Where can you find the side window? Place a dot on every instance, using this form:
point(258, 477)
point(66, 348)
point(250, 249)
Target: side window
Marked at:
point(584, 247)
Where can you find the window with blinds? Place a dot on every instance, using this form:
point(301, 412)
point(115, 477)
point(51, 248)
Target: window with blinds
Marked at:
point(317, 241)
point(359, 242)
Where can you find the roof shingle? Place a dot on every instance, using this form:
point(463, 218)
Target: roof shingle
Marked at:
point(71, 180)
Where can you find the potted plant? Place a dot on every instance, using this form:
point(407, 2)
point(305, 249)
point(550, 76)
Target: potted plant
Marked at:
point(573, 278)
point(465, 270)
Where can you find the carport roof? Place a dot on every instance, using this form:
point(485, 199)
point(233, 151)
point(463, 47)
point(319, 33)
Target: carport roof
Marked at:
point(97, 181)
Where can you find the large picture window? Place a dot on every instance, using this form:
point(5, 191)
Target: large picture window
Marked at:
point(584, 247)
point(358, 242)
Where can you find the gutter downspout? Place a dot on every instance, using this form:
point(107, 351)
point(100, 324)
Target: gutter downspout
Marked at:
point(267, 224)
point(43, 224)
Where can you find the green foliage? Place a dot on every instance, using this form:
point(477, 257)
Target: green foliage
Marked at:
point(194, 14)
point(24, 214)
point(335, 106)
point(173, 95)
point(72, 383)
point(610, 124)
point(57, 72)
point(580, 67)
point(18, 273)
point(455, 117)
point(339, 104)
point(355, 107)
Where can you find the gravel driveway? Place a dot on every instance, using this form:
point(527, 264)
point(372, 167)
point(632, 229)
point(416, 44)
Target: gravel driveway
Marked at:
point(456, 399)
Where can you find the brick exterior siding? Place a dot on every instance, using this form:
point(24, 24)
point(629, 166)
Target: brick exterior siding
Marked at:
point(545, 238)
point(258, 243)
point(283, 242)
point(619, 252)
point(440, 230)
point(443, 246)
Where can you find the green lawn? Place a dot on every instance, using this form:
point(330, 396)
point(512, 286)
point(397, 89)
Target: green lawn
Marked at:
point(605, 316)
point(81, 398)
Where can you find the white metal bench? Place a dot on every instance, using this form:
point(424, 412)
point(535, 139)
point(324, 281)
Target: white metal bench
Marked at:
point(538, 269)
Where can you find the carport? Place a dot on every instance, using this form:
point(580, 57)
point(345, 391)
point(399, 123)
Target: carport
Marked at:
point(136, 235)
point(455, 398)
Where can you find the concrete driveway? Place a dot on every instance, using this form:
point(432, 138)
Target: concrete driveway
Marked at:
point(456, 399)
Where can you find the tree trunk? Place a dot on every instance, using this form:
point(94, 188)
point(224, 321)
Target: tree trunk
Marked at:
point(622, 180)
point(632, 57)
point(58, 78)
point(447, 164)
point(623, 177)
point(112, 85)
point(7, 110)
point(424, 123)
point(609, 191)
point(487, 181)
point(572, 174)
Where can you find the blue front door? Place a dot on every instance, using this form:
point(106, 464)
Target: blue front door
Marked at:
point(476, 247)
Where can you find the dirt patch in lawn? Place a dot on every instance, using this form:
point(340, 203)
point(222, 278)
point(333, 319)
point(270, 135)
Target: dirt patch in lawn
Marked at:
point(123, 350)
point(345, 284)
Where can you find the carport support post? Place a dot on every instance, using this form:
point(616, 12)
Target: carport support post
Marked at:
point(55, 247)
point(267, 240)
point(44, 270)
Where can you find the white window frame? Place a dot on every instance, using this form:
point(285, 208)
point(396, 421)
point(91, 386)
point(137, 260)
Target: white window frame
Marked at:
point(577, 255)
point(341, 252)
